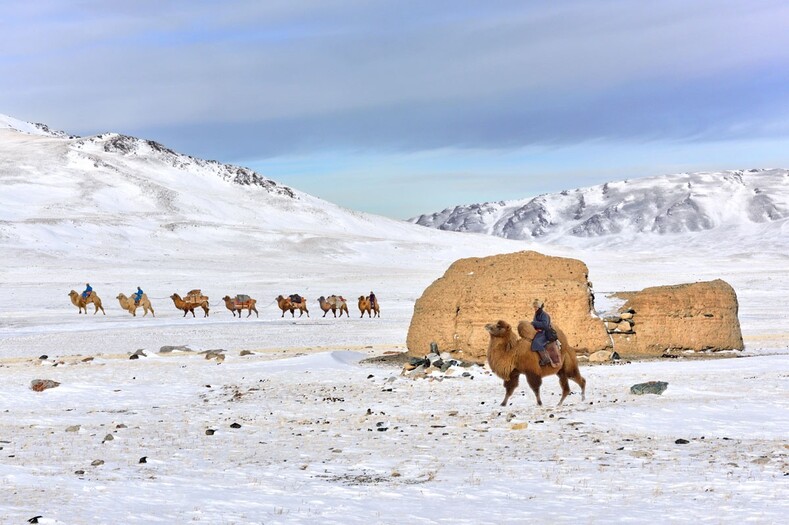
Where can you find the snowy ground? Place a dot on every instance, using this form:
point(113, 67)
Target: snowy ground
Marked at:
point(311, 446)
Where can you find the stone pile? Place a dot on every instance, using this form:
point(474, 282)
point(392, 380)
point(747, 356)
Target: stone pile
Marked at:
point(437, 365)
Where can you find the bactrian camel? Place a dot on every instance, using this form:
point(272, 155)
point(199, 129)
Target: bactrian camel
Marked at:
point(238, 305)
point(333, 303)
point(286, 304)
point(509, 357)
point(192, 302)
point(366, 308)
point(82, 303)
point(127, 303)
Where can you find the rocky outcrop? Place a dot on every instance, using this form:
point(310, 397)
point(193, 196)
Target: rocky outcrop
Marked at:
point(698, 316)
point(453, 311)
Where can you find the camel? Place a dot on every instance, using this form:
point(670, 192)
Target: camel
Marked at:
point(365, 307)
point(82, 303)
point(509, 357)
point(239, 304)
point(193, 302)
point(286, 304)
point(127, 303)
point(333, 303)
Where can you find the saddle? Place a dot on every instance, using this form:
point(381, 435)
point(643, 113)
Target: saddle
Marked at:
point(554, 352)
point(242, 300)
point(295, 299)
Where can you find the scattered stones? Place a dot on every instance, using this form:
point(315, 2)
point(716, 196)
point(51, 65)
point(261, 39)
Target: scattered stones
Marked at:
point(73, 428)
point(39, 385)
point(168, 349)
point(235, 425)
point(79, 473)
point(650, 387)
point(96, 462)
point(218, 354)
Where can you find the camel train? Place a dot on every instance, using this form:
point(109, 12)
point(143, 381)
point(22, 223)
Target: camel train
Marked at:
point(366, 306)
point(82, 302)
point(292, 303)
point(332, 304)
point(130, 305)
point(240, 303)
point(510, 356)
point(194, 299)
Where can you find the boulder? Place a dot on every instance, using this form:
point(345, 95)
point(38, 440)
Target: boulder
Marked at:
point(697, 316)
point(650, 387)
point(39, 385)
point(601, 356)
point(453, 311)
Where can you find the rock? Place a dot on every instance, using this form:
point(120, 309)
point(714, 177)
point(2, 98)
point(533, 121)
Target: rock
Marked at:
point(96, 462)
point(167, 349)
point(453, 311)
point(519, 426)
point(650, 387)
point(34, 519)
point(626, 315)
point(39, 385)
point(78, 472)
point(43, 357)
point(603, 356)
point(615, 357)
point(73, 428)
point(235, 425)
point(209, 431)
point(682, 441)
point(140, 353)
point(108, 437)
point(246, 352)
point(143, 459)
point(134, 356)
point(698, 316)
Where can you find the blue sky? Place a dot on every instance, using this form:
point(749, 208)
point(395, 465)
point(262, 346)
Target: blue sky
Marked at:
point(406, 107)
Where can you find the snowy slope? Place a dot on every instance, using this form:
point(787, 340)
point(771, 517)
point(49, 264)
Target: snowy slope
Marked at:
point(739, 203)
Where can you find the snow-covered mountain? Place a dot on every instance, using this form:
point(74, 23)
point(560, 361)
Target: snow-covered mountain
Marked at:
point(112, 196)
point(728, 202)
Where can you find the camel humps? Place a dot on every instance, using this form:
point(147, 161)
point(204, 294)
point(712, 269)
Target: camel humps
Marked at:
point(333, 303)
point(82, 303)
point(239, 304)
point(292, 303)
point(510, 356)
point(128, 304)
point(366, 308)
point(194, 299)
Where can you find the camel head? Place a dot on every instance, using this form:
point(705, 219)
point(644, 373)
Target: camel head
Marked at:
point(121, 296)
point(72, 293)
point(175, 296)
point(280, 298)
point(321, 299)
point(499, 329)
point(362, 298)
point(226, 298)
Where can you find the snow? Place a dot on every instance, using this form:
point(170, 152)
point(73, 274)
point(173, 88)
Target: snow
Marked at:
point(311, 445)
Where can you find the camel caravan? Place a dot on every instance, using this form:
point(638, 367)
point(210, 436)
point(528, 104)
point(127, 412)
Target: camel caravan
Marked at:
point(237, 304)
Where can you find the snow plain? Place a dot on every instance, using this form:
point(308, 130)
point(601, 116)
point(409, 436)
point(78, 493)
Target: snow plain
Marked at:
point(324, 436)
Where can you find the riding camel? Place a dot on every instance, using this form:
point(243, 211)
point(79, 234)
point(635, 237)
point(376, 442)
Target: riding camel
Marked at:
point(333, 303)
point(128, 304)
point(366, 307)
point(239, 304)
point(510, 356)
point(289, 304)
point(82, 302)
point(194, 299)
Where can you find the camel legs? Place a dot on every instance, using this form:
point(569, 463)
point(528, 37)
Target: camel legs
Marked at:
point(256, 312)
point(578, 378)
point(535, 382)
point(510, 385)
point(565, 384)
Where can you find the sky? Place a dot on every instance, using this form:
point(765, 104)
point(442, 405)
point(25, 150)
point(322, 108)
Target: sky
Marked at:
point(402, 108)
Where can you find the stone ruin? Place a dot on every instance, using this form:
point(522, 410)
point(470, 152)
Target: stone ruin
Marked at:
point(698, 317)
point(453, 311)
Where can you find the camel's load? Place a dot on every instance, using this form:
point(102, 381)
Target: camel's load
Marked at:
point(296, 298)
point(242, 299)
point(195, 296)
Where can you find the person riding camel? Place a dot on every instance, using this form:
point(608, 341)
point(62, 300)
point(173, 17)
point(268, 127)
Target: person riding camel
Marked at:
point(372, 299)
point(137, 296)
point(88, 291)
point(542, 323)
